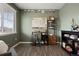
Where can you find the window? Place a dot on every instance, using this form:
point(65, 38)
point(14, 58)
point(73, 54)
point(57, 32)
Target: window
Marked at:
point(7, 19)
point(0, 22)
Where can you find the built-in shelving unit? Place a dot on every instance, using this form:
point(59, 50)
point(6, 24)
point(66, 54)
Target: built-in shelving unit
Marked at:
point(51, 26)
point(51, 30)
point(70, 42)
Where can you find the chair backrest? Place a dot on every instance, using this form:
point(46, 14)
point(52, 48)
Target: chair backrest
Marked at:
point(34, 35)
point(39, 35)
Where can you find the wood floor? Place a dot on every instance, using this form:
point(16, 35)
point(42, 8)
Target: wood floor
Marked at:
point(29, 50)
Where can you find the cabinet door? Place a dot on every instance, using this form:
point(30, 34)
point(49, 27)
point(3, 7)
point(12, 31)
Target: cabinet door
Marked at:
point(51, 40)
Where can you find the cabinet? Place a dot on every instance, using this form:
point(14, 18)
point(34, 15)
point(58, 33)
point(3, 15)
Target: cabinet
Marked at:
point(70, 42)
point(51, 40)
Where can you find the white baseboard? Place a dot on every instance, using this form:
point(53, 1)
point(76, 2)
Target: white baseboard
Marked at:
point(21, 43)
point(16, 44)
point(25, 42)
point(58, 42)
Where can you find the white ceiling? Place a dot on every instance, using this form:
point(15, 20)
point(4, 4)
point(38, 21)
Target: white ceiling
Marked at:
point(39, 5)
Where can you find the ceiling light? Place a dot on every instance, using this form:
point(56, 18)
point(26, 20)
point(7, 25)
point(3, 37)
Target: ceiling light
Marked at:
point(25, 10)
point(39, 10)
point(32, 10)
point(28, 10)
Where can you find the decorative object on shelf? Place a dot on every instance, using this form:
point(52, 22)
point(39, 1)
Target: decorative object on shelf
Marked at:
point(78, 39)
point(78, 52)
point(68, 48)
point(73, 37)
point(70, 42)
point(51, 34)
point(76, 44)
point(66, 35)
point(64, 44)
point(51, 18)
point(74, 26)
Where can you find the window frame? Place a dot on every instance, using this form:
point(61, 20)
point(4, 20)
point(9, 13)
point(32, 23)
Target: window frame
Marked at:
point(14, 21)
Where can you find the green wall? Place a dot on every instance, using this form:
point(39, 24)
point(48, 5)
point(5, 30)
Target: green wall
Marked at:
point(66, 14)
point(11, 39)
point(26, 27)
point(26, 23)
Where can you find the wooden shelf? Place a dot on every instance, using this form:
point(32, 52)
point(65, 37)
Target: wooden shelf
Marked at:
point(51, 27)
